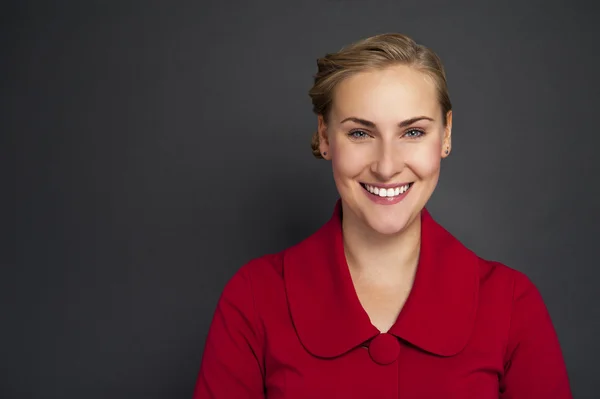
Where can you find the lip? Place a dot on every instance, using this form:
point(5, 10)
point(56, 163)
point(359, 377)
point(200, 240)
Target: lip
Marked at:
point(393, 185)
point(387, 200)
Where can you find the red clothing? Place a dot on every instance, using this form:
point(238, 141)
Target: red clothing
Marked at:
point(290, 325)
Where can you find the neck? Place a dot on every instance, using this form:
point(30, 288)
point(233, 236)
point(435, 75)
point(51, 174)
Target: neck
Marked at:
point(381, 258)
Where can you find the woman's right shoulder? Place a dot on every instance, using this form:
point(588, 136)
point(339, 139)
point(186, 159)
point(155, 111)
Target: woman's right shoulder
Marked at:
point(265, 266)
point(256, 275)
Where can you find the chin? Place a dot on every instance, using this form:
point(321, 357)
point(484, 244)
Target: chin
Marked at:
point(387, 220)
point(387, 226)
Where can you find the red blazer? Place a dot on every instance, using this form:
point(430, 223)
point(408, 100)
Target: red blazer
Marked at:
point(290, 325)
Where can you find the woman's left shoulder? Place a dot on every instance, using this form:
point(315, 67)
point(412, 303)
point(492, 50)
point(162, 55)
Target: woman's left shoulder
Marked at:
point(497, 274)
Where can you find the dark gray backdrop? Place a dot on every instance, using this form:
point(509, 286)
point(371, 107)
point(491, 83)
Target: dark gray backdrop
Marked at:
point(159, 146)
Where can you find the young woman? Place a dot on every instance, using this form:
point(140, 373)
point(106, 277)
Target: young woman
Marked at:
point(381, 302)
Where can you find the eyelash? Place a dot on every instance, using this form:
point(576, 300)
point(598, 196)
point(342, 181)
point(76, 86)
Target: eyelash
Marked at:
point(353, 132)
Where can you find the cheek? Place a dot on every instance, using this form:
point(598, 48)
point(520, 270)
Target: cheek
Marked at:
point(347, 162)
point(344, 168)
point(425, 160)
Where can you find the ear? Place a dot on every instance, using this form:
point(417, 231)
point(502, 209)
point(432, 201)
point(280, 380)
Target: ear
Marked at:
point(323, 139)
point(447, 140)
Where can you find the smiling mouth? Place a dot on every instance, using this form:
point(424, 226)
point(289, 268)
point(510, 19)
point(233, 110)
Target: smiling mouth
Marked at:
point(386, 192)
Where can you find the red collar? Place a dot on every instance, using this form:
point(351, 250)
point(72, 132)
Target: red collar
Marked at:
point(438, 316)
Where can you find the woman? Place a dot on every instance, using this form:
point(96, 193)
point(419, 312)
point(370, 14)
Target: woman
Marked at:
point(381, 302)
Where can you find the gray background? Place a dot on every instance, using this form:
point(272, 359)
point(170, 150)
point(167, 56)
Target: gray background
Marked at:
point(159, 146)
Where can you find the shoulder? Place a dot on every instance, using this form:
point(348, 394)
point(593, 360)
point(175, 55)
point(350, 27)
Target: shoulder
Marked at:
point(255, 279)
point(496, 274)
point(257, 271)
point(511, 293)
point(532, 348)
point(262, 266)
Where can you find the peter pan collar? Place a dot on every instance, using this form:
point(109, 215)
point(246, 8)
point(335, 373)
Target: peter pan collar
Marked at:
point(438, 316)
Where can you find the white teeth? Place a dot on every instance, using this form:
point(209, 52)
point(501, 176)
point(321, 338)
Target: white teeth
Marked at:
point(389, 192)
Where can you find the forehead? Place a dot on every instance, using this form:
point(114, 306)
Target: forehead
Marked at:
point(393, 93)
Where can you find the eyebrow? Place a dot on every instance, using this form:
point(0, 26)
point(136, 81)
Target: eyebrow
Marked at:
point(371, 125)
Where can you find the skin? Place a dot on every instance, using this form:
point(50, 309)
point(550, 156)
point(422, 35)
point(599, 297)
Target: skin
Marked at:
point(382, 241)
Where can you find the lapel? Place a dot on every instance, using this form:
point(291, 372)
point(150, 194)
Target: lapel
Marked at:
point(438, 316)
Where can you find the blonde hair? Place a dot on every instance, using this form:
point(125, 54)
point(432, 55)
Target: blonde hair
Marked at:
point(375, 52)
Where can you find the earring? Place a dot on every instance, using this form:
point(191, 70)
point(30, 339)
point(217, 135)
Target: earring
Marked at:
point(325, 153)
point(446, 151)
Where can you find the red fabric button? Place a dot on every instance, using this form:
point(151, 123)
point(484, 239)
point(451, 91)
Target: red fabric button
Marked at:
point(384, 349)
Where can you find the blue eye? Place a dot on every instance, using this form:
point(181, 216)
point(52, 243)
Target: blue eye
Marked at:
point(358, 134)
point(414, 133)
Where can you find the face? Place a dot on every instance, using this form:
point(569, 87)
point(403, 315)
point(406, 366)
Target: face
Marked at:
point(385, 138)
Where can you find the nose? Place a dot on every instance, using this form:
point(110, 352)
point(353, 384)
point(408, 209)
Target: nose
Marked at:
point(388, 161)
